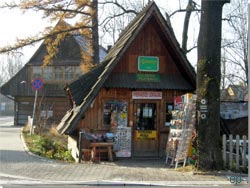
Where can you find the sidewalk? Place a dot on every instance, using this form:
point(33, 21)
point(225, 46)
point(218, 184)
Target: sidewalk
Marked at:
point(19, 164)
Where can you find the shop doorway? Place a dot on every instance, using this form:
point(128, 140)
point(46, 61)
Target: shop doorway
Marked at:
point(145, 130)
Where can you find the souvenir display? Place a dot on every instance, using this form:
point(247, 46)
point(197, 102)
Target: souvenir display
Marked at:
point(181, 129)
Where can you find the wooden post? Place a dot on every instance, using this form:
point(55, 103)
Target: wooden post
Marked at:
point(80, 146)
point(244, 149)
point(224, 154)
point(230, 151)
point(237, 152)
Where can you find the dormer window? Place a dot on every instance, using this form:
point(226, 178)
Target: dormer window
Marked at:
point(58, 73)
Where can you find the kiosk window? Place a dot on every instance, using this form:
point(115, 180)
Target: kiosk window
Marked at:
point(169, 108)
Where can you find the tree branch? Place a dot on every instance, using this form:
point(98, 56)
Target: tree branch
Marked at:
point(32, 40)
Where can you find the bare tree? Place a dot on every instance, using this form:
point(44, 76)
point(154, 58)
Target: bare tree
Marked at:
point(191, 7)
point(117, 15)
point(12, 65)
point(235, 43)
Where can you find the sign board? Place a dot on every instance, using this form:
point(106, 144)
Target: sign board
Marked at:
point(203, 108)
point(148, 63)
point(146, 95)
point(122, 144)
point(148, 78)
point(146, 135)
point(37, 83)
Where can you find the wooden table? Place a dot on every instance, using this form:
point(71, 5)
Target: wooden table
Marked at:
point(102, 147)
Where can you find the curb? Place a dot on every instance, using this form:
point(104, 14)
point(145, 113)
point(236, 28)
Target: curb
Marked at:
point(26, 149)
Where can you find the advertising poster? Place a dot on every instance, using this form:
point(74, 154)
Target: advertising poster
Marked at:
point(122, 144)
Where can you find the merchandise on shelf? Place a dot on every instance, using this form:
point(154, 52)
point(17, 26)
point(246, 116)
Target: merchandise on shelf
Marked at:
point(181, 129)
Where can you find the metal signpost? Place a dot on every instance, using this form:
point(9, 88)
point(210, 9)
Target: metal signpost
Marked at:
point(37, 84)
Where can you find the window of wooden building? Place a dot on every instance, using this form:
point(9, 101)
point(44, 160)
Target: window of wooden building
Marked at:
point(37, 72)
point(47, 73)
point(46, 110)
point(115, 113)
point(69, 73)
point(56, 73)
point(168, 115)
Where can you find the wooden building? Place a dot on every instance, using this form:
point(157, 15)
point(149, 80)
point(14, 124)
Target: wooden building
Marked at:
point(52, 101)
point(131, 93)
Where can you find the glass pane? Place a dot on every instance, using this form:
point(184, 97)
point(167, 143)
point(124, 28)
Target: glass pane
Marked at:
point(47, 75)
point(69, 73)
point(146, 116)
point(37, 72)
point(115, 114)
point(169, 108)
point(58, 73)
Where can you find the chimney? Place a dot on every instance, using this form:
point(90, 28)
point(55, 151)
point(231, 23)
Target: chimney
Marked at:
point(109, 47)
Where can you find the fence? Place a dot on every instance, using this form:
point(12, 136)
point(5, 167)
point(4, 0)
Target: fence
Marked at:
point(235, 152)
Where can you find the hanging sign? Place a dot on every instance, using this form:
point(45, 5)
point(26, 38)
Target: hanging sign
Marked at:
point(146, 135)
point(146, 95)
point(148, 63)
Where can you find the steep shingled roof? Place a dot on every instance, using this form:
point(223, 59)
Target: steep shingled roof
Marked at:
point(83, 94)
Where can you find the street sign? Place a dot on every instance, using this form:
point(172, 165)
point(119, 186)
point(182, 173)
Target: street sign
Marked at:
point(37, 84)
point(203, 108)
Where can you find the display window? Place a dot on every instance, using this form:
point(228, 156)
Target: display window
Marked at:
point(115, 113)
point(168, 115)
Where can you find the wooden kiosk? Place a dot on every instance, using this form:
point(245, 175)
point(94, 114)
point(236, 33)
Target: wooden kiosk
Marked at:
point(131, 93)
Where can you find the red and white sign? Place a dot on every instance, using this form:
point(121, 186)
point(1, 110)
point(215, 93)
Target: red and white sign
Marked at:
point(146, 95)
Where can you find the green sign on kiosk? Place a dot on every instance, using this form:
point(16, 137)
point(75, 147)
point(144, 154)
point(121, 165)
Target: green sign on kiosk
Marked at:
point(148, 63)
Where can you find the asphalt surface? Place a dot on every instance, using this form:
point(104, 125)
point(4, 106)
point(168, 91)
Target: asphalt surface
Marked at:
point(17, 166)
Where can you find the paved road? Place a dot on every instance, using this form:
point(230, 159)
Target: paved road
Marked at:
point(17, 166)
point(6, 120)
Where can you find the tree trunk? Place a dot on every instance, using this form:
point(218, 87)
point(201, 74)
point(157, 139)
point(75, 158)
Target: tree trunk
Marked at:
point(208, 86)
point(95, 33)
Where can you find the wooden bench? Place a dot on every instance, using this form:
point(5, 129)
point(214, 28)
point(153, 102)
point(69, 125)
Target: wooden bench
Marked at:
point(101, 147)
